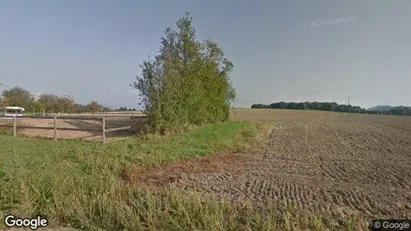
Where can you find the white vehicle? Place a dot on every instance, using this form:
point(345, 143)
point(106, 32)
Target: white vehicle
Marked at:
point(11, 111)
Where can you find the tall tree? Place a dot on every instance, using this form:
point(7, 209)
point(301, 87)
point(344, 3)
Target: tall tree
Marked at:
point(67, 104)
point(18, 96)
point(50, 102)
point(187, 82)
point(94, 107)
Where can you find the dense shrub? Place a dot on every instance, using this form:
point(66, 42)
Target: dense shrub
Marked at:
point(186, 83)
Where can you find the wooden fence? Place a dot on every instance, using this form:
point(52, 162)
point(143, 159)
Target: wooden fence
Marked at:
point(110, 113)
point(104, 130)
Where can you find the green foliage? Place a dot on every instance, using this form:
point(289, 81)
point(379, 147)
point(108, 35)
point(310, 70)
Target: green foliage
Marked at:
point(17, 96)
point(400, 110)
point(106, 109)
point(332, 106)
point(94, 107)
point(126, 109)
point(186, 83)
point(51, 102)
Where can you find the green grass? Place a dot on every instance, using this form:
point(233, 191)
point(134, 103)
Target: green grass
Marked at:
point(78, 184)
point(20, 154)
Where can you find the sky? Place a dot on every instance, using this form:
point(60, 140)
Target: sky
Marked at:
point(281, 50)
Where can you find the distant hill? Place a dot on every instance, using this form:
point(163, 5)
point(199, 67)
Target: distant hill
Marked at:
point(381, 108)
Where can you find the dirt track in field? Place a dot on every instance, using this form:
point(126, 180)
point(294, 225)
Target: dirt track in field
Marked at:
point(321, 163)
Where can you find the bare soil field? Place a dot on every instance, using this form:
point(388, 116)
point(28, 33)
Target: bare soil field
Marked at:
point(333, 165)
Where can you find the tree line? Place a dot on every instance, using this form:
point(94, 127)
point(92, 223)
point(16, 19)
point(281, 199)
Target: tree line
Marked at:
point(332, 106)
point(18, 96)
point(187, 83)
point(126, 109)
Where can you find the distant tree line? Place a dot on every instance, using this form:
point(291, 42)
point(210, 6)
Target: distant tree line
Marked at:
point(399, 110)
point(126, 109)
point(332, 106)
point(48, 103)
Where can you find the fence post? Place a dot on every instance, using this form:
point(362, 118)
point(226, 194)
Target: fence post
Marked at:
point(55, 128)
point(140, 124)
point(104, 130)
point(14, 126)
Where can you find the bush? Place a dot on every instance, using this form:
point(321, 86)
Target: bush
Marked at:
point(187, 83)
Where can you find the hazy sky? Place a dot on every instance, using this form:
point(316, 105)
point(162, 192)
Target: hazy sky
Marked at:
point(91, 49)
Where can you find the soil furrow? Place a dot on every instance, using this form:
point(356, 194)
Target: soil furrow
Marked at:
point(338, 168)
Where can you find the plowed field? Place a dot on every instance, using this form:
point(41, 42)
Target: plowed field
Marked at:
point(322, 163)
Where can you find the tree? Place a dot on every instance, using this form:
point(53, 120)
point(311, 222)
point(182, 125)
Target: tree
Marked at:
point(50, 102)
point(35, 107)
point(94, 107)
point(81, 108)
point(330, 106)
point(67, 104)
point(125, 109)
point(18, 96)
point(55, 103)
point(187, 82)
point(106, 109)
